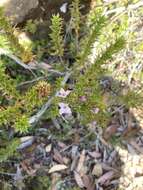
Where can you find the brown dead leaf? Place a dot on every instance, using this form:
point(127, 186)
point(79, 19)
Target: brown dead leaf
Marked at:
point(130, 132)
point(107, 167)
point(62, 145)
point(76, 137)
point(26, 167)
point(78, 179)
point(112, 156)
point(66, 160)
point(97, 170)
point(55, 178)
point(110, 131)
point(104, 142)
point(74, 162)
point(106, 177)
point(57, 167)
point(131, 150)
point(136, 146)
point(58, 157)
point(94, 154)
point(88, 182)
point(80, 166)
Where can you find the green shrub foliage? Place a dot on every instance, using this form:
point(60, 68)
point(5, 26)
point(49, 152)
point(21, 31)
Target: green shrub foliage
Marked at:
point(85, 73)
point(86, 98)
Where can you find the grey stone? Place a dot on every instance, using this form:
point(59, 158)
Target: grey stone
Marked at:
point(17, 10)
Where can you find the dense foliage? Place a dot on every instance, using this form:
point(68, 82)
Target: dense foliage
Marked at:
point(79, 54)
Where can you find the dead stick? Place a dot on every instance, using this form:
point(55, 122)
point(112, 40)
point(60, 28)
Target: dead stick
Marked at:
point(16, 59)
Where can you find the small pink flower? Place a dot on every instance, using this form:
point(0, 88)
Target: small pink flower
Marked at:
point(83, 98)
point(63, 93)
point(64, 109)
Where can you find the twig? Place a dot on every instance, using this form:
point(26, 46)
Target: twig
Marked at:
point(34, 119)
point(117, 11)
point(30, 81)
point(122, 9)
point(16, 59)
point(38, 79)
point(118, 109)
point(102, 140)
point(133, 70)
point(107, 4)
point(8, 174)
point(43, 66)
point(56, 72)
point(28, 67)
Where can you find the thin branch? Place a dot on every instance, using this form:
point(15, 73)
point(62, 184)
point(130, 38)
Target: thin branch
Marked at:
point(16, 59)
point(107, 3)
point(34, 119)
point(38, 79)
point(45, 67)
point(56, 72)
point(30, 81)
point(122, 9)
point(29, 67)
point(132, 71)
point(8, 174)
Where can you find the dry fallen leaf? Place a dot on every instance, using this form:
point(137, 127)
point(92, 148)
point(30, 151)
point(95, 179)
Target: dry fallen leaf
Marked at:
point(107, 167)
point(62, 145)
point(74, 162)
point(110, 131)
point(88, 182)
point(48, 148)
point(97, 170)
point(95, 154)
point(78, 179)
point(26, 138)
point(57, 167)
point(131, 150)
point(58, 157)
point(106, 177)
point(55, 178)
point(66, 160)
point(26, 167)
point(26, 142)
point(80, 166)
point(112, 157)
point(136, 146)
